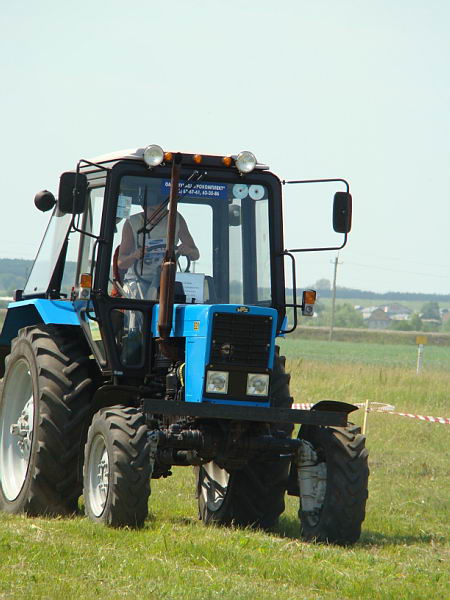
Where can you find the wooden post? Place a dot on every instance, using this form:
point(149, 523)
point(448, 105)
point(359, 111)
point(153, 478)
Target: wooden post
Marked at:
point(366, 412)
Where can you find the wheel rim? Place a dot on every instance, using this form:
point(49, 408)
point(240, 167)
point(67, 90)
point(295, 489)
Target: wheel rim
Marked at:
point(16, 434)
point(98, 475)
point(214, 485)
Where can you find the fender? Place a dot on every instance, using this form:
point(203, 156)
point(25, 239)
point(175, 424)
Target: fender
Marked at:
point(32, 312)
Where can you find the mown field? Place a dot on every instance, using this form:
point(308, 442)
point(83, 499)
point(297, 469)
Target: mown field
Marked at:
point(404, 551)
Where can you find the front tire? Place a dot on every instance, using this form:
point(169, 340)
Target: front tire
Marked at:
point(117, 468)
point(44, 402)
point(253, 495)
point(339, 480)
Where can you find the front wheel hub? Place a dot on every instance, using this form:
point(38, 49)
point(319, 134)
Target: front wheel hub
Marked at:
point(16, 429)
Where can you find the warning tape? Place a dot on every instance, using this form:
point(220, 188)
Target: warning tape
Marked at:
point(381, 407)
point(442, 420)
point(377, 406)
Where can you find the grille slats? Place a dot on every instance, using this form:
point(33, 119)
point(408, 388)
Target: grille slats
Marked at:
point(241, 339)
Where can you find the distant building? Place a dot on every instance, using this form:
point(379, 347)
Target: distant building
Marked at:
point(378, 319)
point(397, 311)
point(366, 312)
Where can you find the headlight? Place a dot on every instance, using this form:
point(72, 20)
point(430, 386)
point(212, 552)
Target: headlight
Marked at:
point(245, 161)
point(257, 384)
point(153, 155)
point(217, 382)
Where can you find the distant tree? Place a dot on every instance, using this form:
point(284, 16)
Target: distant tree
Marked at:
point(416, 322)
point(322, 284)
point(401, 325)
point(431, 326)
point(430, 310)
point(446, 326)
point(347, 316)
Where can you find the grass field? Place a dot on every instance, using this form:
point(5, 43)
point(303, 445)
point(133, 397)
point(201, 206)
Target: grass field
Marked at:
point(379, 355)
point(414, 305)
point(404, 551)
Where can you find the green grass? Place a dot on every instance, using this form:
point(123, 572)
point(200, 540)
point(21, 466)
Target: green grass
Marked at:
point(380, 355)
point(404, 551)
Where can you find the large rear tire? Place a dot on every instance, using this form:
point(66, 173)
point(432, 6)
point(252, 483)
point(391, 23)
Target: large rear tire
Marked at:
point(340, 480)
point(44, 402)
point(117, 468)
point(253, 495)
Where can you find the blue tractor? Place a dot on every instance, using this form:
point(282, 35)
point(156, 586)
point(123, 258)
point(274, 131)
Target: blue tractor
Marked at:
point(144, 338)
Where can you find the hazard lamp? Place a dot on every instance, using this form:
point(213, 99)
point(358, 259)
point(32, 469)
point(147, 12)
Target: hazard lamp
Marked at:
point(84, 292)
point(153, 155)
point(245, 162)
point(308, 301)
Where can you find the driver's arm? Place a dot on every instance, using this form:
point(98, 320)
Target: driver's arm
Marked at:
point(128, 252)
point(187, 246)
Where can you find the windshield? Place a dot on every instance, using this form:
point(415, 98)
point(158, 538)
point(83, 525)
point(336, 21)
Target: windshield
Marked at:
point(222, 240)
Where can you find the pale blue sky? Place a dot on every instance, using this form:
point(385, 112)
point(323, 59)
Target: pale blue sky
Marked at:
point(331, 88)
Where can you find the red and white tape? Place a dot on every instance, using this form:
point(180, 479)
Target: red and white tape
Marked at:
point(373, 407)
point(442, 420)
point(386, 408)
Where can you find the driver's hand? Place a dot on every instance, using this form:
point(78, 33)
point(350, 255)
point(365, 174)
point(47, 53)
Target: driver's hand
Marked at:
point(137, 254)
point(185, 250)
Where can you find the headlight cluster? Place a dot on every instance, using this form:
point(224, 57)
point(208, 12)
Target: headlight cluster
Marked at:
point(217, 383)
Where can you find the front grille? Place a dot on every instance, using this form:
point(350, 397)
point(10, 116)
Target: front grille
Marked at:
point(241, 339)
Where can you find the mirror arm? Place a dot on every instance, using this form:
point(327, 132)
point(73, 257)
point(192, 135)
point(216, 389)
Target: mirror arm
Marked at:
point(319, 249)
point(294, 293)
point(347, 186)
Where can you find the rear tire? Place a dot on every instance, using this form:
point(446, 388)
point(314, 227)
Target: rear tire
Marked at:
point(341, 510)
point(253, 495)
point(44, 402)
point(117, 468)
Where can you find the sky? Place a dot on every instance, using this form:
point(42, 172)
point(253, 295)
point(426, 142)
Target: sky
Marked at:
point(355, 89)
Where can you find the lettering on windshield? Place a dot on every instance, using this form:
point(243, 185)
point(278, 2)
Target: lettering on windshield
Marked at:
point(198, 190)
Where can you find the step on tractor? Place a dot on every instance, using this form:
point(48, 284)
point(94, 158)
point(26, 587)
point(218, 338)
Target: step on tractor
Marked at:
point(144, 339)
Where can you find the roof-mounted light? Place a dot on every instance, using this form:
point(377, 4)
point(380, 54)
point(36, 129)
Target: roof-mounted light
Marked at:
point(245, 161)
point(153, 155)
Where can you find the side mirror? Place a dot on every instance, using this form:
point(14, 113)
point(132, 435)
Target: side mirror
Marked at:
point(72, 192)
point(342, 212)
point(234, 215)
point(44, 201)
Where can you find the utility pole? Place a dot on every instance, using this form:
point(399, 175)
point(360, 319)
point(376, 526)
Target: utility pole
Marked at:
point(333, 300)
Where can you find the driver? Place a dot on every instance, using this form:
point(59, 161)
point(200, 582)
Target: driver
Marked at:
point(143, 245)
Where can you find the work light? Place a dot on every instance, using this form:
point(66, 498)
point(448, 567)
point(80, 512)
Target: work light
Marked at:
point(153, 155)
point(245, 161)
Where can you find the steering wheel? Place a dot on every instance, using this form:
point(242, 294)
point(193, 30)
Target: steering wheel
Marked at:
point(149, 261)
point(187, 267)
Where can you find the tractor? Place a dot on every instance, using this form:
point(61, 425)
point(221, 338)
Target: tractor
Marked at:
point(144, 339)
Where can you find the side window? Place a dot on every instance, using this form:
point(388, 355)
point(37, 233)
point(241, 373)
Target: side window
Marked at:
point(80, 247)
